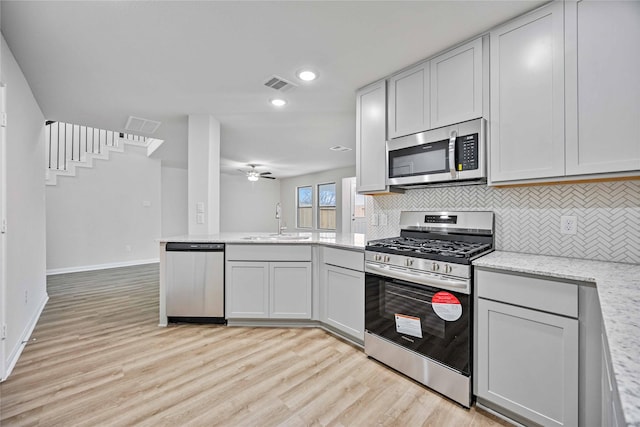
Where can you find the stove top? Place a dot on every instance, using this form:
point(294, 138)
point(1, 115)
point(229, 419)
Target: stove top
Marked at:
point(452, 248)
point(455, 237)
point(442, 250)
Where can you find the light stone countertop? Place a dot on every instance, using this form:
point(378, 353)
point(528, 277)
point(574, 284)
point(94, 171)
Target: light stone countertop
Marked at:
point(342, 240)
point(618, 287)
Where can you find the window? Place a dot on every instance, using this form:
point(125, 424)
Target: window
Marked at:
point(327, 206)
point(305, 207)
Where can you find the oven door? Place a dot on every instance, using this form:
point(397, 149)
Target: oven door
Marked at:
point(427, 320)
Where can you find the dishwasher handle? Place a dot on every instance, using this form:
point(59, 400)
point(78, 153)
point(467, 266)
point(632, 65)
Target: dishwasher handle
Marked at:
point(194, 247)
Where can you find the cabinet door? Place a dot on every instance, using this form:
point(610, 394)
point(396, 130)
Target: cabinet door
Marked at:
point(371, 138)
point(247, 290)
point(612, 415)
point(290, 290)
point(456, 85)
point(527, 97)
point(528, 362)
point(343, 300)
point(603, 86)
point(409, 103)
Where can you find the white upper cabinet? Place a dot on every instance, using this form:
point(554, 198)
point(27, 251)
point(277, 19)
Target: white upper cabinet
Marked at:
point(603, 86)
point(409, 101)
point(527, 96)
point(456, 85)
point(371, 138)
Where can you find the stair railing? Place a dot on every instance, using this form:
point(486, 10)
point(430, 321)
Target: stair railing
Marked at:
point(69, 142)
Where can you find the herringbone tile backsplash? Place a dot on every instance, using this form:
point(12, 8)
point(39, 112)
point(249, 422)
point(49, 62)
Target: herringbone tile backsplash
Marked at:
point(528, 218)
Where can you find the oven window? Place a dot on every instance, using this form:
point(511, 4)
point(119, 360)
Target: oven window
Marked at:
point(419, 160)
point(402, 312)
point(415, 303)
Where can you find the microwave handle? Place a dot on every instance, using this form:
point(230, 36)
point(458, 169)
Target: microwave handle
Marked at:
point(452, 154)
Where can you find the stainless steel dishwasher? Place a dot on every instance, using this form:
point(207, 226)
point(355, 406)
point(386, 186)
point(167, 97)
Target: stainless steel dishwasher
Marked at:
point(195, 282)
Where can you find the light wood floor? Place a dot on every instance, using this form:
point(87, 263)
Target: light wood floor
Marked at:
point(98, 358)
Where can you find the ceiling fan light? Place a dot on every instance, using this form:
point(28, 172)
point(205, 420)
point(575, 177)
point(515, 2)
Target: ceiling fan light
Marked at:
point(252, 177)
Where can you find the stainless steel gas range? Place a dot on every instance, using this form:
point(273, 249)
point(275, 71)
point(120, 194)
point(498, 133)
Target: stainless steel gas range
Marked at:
point(418, 296)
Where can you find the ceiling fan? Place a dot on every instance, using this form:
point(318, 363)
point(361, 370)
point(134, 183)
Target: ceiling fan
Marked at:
point(254, 175)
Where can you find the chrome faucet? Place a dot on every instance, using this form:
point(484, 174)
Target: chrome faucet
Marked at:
point(278, 217)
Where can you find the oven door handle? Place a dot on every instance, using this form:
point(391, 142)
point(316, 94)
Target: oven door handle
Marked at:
point(421, 278)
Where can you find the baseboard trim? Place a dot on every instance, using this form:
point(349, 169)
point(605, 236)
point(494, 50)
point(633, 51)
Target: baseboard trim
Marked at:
point(13, 359)
point(54, 271)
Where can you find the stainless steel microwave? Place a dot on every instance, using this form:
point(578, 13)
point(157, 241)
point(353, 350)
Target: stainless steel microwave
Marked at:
point(455, 153)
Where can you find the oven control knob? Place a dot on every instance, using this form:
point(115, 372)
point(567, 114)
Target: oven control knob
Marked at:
point(447, 268)
point(435, 266)
point(387, 258)
point(408, 262)
point(377, 257)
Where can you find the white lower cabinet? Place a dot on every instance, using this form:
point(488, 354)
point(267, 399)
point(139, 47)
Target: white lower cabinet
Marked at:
point(342, 291)
point(268, 282)
point(612, 415)
point(344, 300)
point(290, 290)
point(247, 290)
point(277, 282)
point(527, 358)
point(268, 290)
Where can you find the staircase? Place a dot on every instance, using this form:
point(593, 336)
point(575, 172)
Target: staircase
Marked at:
point(71, 146)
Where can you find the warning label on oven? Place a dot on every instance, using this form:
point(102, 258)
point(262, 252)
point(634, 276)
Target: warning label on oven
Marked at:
point(446, 306)
point(408, 325)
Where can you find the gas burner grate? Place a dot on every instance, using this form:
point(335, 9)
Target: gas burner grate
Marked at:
point(445, 248)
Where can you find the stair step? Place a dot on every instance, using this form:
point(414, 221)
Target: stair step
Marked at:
point(103, 139)
point(53, 174)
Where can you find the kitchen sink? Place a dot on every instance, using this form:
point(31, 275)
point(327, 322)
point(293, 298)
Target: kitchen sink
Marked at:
point(276, 237)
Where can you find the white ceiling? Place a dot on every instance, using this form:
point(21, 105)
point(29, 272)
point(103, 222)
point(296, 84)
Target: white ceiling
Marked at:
point(97, 63)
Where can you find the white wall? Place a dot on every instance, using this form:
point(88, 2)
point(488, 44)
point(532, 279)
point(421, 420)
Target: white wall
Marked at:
point(99, 218)
point(288, 193)
point(248, 206)
point(174, 202)
point(25, 159)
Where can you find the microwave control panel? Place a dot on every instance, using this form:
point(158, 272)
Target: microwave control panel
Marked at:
point(467, 152)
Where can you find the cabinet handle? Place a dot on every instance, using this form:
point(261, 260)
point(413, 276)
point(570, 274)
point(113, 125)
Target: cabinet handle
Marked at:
point(452, 154)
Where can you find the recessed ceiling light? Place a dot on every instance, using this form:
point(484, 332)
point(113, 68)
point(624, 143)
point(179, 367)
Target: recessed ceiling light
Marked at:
point(278, 102)
point(307, 75)
point(339, 148)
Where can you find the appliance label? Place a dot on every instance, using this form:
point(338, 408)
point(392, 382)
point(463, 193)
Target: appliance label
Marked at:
point(408, 325)
point(446, 306)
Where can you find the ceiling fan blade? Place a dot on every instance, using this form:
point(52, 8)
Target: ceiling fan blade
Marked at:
point(268, 177)
point(265, 173)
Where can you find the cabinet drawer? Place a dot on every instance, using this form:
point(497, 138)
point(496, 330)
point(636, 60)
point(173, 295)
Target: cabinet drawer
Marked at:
point(342, 258)
point(261, 252)
point(537, 293)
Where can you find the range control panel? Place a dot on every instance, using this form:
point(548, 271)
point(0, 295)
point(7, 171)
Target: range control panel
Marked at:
point(467, 152)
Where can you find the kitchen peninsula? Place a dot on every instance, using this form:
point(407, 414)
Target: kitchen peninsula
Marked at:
point(287, 279)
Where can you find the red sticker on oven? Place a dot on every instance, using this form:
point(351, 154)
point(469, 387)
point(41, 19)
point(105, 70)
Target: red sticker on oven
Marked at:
point(446, 306)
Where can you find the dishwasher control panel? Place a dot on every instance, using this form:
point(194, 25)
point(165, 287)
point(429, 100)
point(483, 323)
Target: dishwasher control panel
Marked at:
point(194, 246)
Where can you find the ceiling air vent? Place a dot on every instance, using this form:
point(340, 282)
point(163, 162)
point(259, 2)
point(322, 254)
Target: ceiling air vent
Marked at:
point(278, 83)
point(137, 124)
